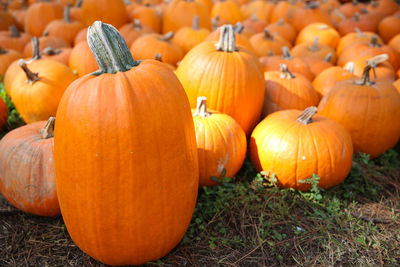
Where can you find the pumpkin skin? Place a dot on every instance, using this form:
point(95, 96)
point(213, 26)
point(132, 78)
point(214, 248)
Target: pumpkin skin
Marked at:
point(355, 37)
point(27, 170)
point(81, 36)
point(188, 37)
point(372, 122)
point(389, 27)
point(61, 54)
point(295, 151)
point(227, 10)
point(14, 40)
point(113, 12)
point(315, 50)
point(45, 93)
point(309, 14)
point(221, 143)
point(328, 78)
point(6, 58)
point(148, 16)
point(39, 15)
point(283, 29)
point(265, 43)
point(134, 30)
point(284, 90)
point(239, 91)
point(326, 35)
point(44, 42)
point(82, 60)
point(143, 209)
point(3, 113)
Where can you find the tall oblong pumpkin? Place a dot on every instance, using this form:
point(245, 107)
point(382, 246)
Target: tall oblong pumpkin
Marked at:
point(229, 76)
point(125, 156)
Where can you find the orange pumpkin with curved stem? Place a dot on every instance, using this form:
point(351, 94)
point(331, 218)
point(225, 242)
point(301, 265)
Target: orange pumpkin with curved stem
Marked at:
point(348, 9)
point(239, 91)
point(180, 13)
point(134, 30)
point(3, 113)
point(381, 68)
point(372, 121)
point(385, 7)
point(39, 15)
point(265, 43)
point(294, 145)
point(113, 12)
point(315, 50)
point(60, 54)
point(328, 78)
point(27, 169)
point(355, 37)
point(65, 28)
point(147, 46)
point(283, 29)
point(46, 81)
point(82, 60)
point(45, 41)
point(148, 16)
point(326, 34)
point(227, 10)
point(285, 90)
point(13, 39)
point(188, 37)
point(221, 143)
point(141, 211)
point(297, 65)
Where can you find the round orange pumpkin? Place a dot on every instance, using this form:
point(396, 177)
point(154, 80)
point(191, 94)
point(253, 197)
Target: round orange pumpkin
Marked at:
point(328, 78)
point(221, 144)
point(132, 31)
point(40, 14)
point(134, 174)
point(27, 169)
point(82, 60)
point(6, 58)
point(13, 39)
point(265, 43)
point(295, 145)
point(326, 34)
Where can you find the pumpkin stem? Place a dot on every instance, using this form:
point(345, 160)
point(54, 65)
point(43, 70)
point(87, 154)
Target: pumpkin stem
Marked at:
point(314, 46)
point(14, 33)
point(374, 41)
point(158, 57)
point(36, 49)
point(313, 5)
point(32, 76)
point(50, 51)
point(286, 53)
point(78, 3)
point(270, 53)
point(376, 60)
point(166, 37)
point(215, 22)
point(238, 28)
point(306, 116)
point(349, 67)
point(360, 34)
point(253, 17)
point(356, 17)
point(328, 57)
point(268, 35)
point(201, 109)
point(281, 22)
point(354, 2)
point(374, 3)
point(48, 130)
point(372, 63)
point(337, 12)
point(285, 73)
point(363, 10)
point(109, 49)
point(3, 51)
point(227, 40)
point(46, 33)
point(136, 25)
point(195, 24)
point(67, 14)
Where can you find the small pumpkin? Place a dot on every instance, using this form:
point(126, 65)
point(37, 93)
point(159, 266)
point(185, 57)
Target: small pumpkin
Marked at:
point(309, 14)
point(285, 90)
point(40, 14)
point(60, 54)
point(148, 15)
point(389, 27)
point(355, 37)
point(188, 37)
point(294, 145)
point(381, 68)
point(357, 21)
point(326, 34)
point(372, 122)
point(6, 58)
point(27, 169)
point(283, 29)
point(81, 60)
point(227, 10)
point(315, 50)
point(132, 31)
point(265, 43)
point(221, 143)
point(13, 39)
point(261, 9)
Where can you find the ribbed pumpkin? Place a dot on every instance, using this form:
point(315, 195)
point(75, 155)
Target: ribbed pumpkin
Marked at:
point(148, 16)
point(147, 46)
point(254, 25)
point(285, 90)
point(284, 10)
point(65, 28)
point(180, 13)
point(295, 145)
point(309, 14)
point(129, 199)
point(265, 43)
point(45, 41)
point(221, 143)
point(113, 12)
point(60, 54)
point(228, 75)
point(261, 9)
point(297, 65)
point(134, 30)
point(355, 37)
point(13, 39)
point(283, 29)
point(357, 21)
point(40, 14)
point(27, 169)
point(6, 20)
point(381, 68)
point(389, 27)
point(187, 37)
point(326, 35)
point(227, 10)
point(368, 110)
point(82, 60)
point(3, 113)
point(6, 58)
point(37, 89)
point(314, 49)
point(328, 78)
point(385, 7)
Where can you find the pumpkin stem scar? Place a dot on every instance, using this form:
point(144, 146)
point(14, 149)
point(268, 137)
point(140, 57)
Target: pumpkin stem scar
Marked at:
point(109, 49)
point(306, 116)
point(201, 109)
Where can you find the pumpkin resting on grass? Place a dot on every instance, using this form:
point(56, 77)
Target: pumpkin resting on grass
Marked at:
point(125, 156)
point(27, 169)
point(294, 145)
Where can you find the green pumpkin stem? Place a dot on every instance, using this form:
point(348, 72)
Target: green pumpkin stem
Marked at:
point(166, 37)
point(286, 53)
point(306, 116)
point(195, 24)
point(67, 14)
point(109, 49)
point(201, 109)
point(48, 130)
point(285, 73)
point(14, 33)
point(32, 76)
point(227, 39)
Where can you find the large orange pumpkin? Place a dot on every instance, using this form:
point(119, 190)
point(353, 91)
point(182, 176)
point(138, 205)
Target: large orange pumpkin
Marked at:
point(368, 110)
point(27, 169)
point(221, 143)
point(125, 156)
point(295, 145)
point(228, 75)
